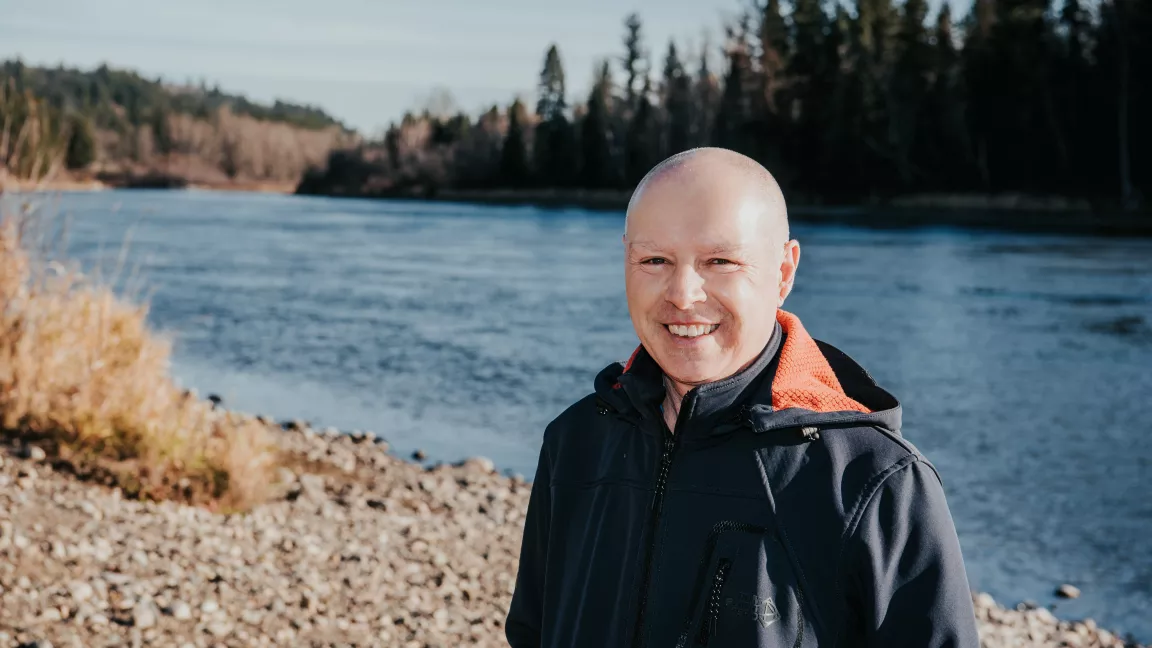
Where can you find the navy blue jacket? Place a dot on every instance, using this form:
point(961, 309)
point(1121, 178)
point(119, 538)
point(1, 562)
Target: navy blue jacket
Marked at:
point(785, 509)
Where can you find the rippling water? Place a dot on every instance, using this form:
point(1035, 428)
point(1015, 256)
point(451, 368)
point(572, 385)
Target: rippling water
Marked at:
point(1024, 362)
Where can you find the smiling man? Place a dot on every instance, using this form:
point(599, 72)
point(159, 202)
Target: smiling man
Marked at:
point(736, 483)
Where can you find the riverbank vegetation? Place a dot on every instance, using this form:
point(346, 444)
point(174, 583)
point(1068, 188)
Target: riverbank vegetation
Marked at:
point(848, 103)
point(121, 128)
point(86, 381)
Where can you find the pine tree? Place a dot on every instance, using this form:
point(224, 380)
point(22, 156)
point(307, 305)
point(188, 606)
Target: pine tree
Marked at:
point(554, 151)
point(774, 53)
point(642, 138)
point(910, 81)
point(677, 103)
point(978, 64)
point(551, 102)
point(949, 154)
point(733, 115)
point(1141, 73)
point(842, 143)
point(161, 131)
point(809, 75)
point(633, 61)
point(1025, 148)
point(81, 149)
point(1071, 76)
point(596, 164)
point(706, 92)
point(513, 160)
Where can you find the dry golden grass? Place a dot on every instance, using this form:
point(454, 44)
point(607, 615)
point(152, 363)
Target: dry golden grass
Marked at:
point(82, 375)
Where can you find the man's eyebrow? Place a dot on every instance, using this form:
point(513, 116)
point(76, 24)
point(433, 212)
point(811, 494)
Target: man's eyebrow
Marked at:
point(715, 248)
point(723, 248)
point(647, 245)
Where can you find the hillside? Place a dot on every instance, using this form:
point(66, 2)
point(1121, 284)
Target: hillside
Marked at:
point(122, 128)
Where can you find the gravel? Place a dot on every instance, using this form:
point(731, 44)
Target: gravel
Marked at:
point(360, 547)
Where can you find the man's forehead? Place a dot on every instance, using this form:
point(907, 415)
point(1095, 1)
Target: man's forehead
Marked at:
point(703, 245)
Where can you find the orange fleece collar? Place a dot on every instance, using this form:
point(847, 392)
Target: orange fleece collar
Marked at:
point(804, 379)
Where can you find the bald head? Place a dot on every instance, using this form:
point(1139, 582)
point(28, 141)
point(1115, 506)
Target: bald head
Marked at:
point(707, 263)
point(716, 174)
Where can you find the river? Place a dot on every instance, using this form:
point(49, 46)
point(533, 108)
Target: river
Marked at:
point(1024, 363)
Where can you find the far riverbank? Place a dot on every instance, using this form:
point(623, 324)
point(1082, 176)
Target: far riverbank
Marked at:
point(1008, 212)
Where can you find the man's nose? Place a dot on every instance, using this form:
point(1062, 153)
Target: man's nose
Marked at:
point(685, 288)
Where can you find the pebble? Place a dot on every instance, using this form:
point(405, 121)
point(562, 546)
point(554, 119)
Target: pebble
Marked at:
point(144, 615)
point(35, 453)
point(372, 551)
point(181, 611)
point(81, 591)
point(1068, 591)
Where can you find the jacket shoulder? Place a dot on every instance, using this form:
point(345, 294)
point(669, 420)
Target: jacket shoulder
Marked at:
point(862, 458)
point(574, 418)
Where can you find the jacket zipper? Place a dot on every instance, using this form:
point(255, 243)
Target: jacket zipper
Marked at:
point(719, 528)
point(670, 445)
point(708, 628)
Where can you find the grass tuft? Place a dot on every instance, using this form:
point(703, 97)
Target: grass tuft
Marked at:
point(83, 376)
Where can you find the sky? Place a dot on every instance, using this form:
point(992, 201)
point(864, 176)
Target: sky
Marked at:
point(364, 61)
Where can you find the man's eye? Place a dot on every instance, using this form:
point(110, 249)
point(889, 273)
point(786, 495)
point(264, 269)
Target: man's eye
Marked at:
point(654, 261)
point(720, 262)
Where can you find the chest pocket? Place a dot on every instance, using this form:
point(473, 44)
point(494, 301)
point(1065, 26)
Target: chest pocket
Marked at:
point(746, 592)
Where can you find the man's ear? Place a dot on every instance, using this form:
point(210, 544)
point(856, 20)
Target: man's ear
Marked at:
point(788, 267)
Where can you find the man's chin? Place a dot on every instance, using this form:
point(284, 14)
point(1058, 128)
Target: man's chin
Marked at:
point(690, 371)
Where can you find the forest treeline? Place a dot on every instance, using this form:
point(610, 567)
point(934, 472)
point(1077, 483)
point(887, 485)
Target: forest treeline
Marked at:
point(116, 123)
point(842, 103)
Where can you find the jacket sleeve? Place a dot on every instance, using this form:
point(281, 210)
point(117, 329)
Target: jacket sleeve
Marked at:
point(525, 615)
point(908, 586)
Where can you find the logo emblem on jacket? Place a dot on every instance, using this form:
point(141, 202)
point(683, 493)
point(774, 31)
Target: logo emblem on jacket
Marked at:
point(752, 606)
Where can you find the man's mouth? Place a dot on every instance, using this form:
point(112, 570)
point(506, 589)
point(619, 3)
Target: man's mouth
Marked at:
point(691, 330)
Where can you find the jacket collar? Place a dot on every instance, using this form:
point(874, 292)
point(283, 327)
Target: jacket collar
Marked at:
point(704, 407)
point(795, 381)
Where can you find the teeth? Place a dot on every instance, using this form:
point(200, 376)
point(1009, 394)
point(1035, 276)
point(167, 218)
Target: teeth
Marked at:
point(694, 330)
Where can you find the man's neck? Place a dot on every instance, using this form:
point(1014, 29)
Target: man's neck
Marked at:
point(674, 393)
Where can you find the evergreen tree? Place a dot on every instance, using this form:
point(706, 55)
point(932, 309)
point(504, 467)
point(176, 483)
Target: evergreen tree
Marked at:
point(733, 115)
point(948, 153)
point(1025, 148)
point(554, 152)
point(161, 132)
point(596, 163)
point(81, 150)
point(774, 53)
point(1141, 78)
point(514, 170)
point(706, 93)
point(677, 104)
point(842, 143)
point(1071, 74)
point(633, 61)
point(809, 72)
point(910, 81)
point(551, 102)
point(642, 138)
point(980, 80)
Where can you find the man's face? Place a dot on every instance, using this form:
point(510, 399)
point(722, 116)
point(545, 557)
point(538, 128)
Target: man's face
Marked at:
point(703, 275)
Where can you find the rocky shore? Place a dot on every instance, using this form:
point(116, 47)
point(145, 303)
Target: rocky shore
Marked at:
point(359, 548)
